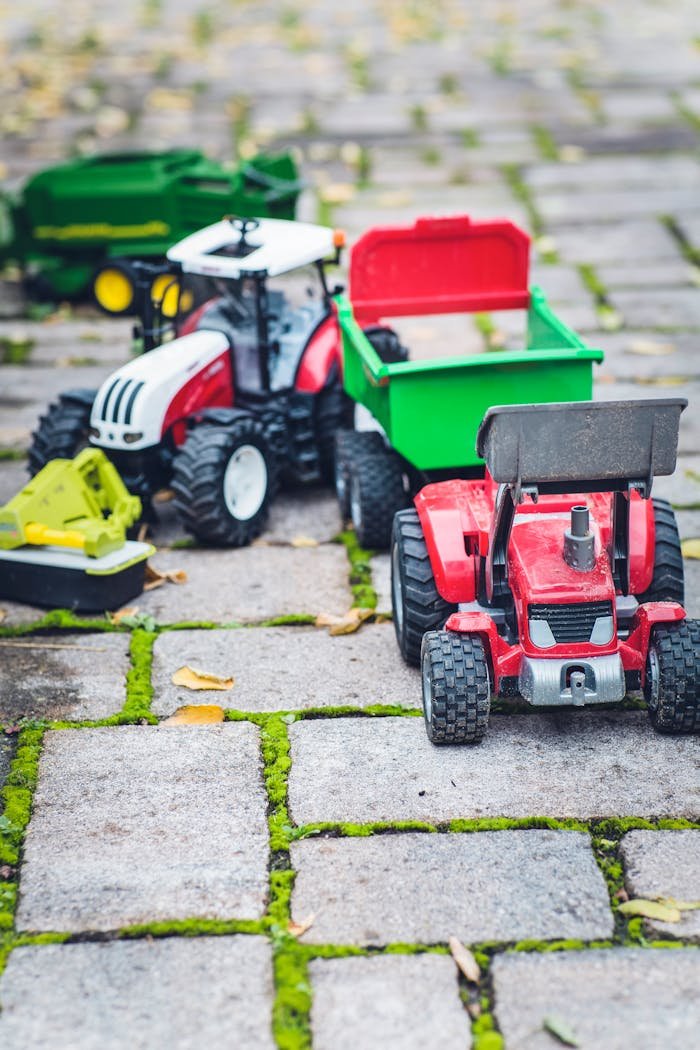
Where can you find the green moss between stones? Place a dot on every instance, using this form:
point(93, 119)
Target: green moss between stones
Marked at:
point(291, 1011)
point(139, 689)
point(363, 592)
point(12, 454)
point(192, 928)
point(544, 142)
point(17, 792)
point(276, 766)
point(484, 1034)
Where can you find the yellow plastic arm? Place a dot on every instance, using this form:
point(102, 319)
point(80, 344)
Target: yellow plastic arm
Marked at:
point(41, 535)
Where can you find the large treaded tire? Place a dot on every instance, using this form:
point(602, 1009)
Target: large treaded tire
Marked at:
point(334, 411)
point(199, 482)
point(416, 603)
point(667, 582)
point(456, 688)
point(376, 493)
point(63, 431)
point(672, 684)
point(349, 445)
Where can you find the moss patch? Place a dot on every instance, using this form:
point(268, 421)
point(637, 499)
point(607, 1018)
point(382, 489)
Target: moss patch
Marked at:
point(363, 592)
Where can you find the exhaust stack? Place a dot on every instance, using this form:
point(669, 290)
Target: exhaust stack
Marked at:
point(579, 544)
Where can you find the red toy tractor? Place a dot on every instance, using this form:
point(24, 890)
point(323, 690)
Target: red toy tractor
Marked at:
point(556, 578)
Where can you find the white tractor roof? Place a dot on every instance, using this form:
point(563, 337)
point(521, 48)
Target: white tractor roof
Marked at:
point(280, 245)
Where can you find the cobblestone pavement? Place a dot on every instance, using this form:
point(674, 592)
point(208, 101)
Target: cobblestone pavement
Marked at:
point(291, 877)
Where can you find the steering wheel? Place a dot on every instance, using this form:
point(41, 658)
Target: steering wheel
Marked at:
point(243, 225)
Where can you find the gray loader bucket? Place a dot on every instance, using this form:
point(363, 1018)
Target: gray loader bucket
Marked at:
point(605, 443)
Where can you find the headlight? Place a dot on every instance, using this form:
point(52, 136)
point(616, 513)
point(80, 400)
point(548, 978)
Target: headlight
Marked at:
point(135, 435)
point(94, 432)
point(602, 630)
point(541, 634)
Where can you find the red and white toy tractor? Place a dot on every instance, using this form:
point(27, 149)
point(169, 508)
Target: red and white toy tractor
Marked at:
point(556, 578)
point(249, 392)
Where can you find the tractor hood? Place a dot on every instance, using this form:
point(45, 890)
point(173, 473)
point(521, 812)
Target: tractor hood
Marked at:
point(536, 567)
point(137, 403)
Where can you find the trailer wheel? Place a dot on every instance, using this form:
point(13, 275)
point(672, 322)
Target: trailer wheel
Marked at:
point(224, 478)
point(672, 684)
point(416, 603)
point(456, 687)
point(349, 445)
point(63, 431)
point(667, 583)
point(114, 287)
point(376, 493)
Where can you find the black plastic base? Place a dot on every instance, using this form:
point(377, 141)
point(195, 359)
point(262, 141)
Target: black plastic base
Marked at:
point(57, 587)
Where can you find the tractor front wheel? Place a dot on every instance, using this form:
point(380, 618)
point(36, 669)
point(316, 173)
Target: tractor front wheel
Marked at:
point(416, 603)
point(672, 682)
point(377, 492)
point(63, 431)
point(224, 478)
point(456, 687)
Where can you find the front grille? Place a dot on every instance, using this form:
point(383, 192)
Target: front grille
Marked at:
point(573, 622)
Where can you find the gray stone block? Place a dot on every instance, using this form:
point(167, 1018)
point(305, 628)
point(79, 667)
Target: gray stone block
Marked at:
point(612, 999)
point(613, 241)
point(68, 676)
point(13, 478)
point(278, 668)
point(250, 583)
point(139, 824)
point(136, 995)
point(380, 565)
point(561, 764)
point(394, 1002)
point(666, 864)
point(485, 886)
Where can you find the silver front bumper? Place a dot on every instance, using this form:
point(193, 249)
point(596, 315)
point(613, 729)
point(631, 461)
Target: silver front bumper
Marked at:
point(598, 680)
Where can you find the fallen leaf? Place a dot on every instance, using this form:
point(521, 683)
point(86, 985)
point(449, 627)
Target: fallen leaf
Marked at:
point(154, 578)
point(650, 910)
point(195, 715)
point(663, 380)
point(691, 548)
point(346, 624)
point(304, 541)
point(3, 614)
point(298, 928)
point(163, 496)
point(191, 678)
point(121, 614)
point(466, 962)
point(650, 348)
point(474, 1010)
point(560, 1030)
point(671, 902)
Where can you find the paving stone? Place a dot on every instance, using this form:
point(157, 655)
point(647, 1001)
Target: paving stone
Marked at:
point(69, 677)
point(665, 864)
point(137, 824)
point(640, 355)
point(119, 995)
point(607, 243)
point(561, 764)
point(25, 393)
point(645, 274)
point(395, 1002)
point(380, 565)
point(67, 344)
point(659, 387)
point(625, 203)
point(13, 478)
point(643, 998)
point(424, 888)
point(278, 668)
point(250, 583)
point(661, 307)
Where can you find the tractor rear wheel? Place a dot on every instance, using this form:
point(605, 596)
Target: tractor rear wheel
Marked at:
point(416, 603)
point(334, 411)
point(376, 493)
point(456, 687)
point(667, 583)
point(672, 683)
point(350, 445)
point(224, 478)
point(63, 431)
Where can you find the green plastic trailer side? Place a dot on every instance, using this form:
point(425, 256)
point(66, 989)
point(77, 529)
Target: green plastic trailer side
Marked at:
point(431, 410)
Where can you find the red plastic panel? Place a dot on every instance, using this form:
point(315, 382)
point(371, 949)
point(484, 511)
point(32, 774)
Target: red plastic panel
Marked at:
point(439, 265)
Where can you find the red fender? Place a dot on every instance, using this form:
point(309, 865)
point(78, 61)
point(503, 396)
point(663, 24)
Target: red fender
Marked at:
point(634, 649)
point(318, 359)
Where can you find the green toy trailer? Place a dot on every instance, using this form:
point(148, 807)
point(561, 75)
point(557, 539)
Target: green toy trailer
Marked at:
point(76, 228)
point(427, 413)
point(63, 537)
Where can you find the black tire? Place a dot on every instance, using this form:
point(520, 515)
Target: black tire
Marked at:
point(667, 582)
point(416, 603)
point(386, 343)
point(349, 445)
point(205, 494)
point(63, 431)
point(672, 683)
point(334, 411)
point(376, 493)
point(456, 688)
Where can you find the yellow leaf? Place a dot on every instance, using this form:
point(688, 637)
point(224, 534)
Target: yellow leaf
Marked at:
point(195, 715)
point(650, 910)
point(298, 928)
point(650, 348)
point(3, 614)
point(465, 960)
point(304, 541)
point(191, 678)
point(671, 902)
point(691, 548)
point(120, 614)
point(346, 624)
